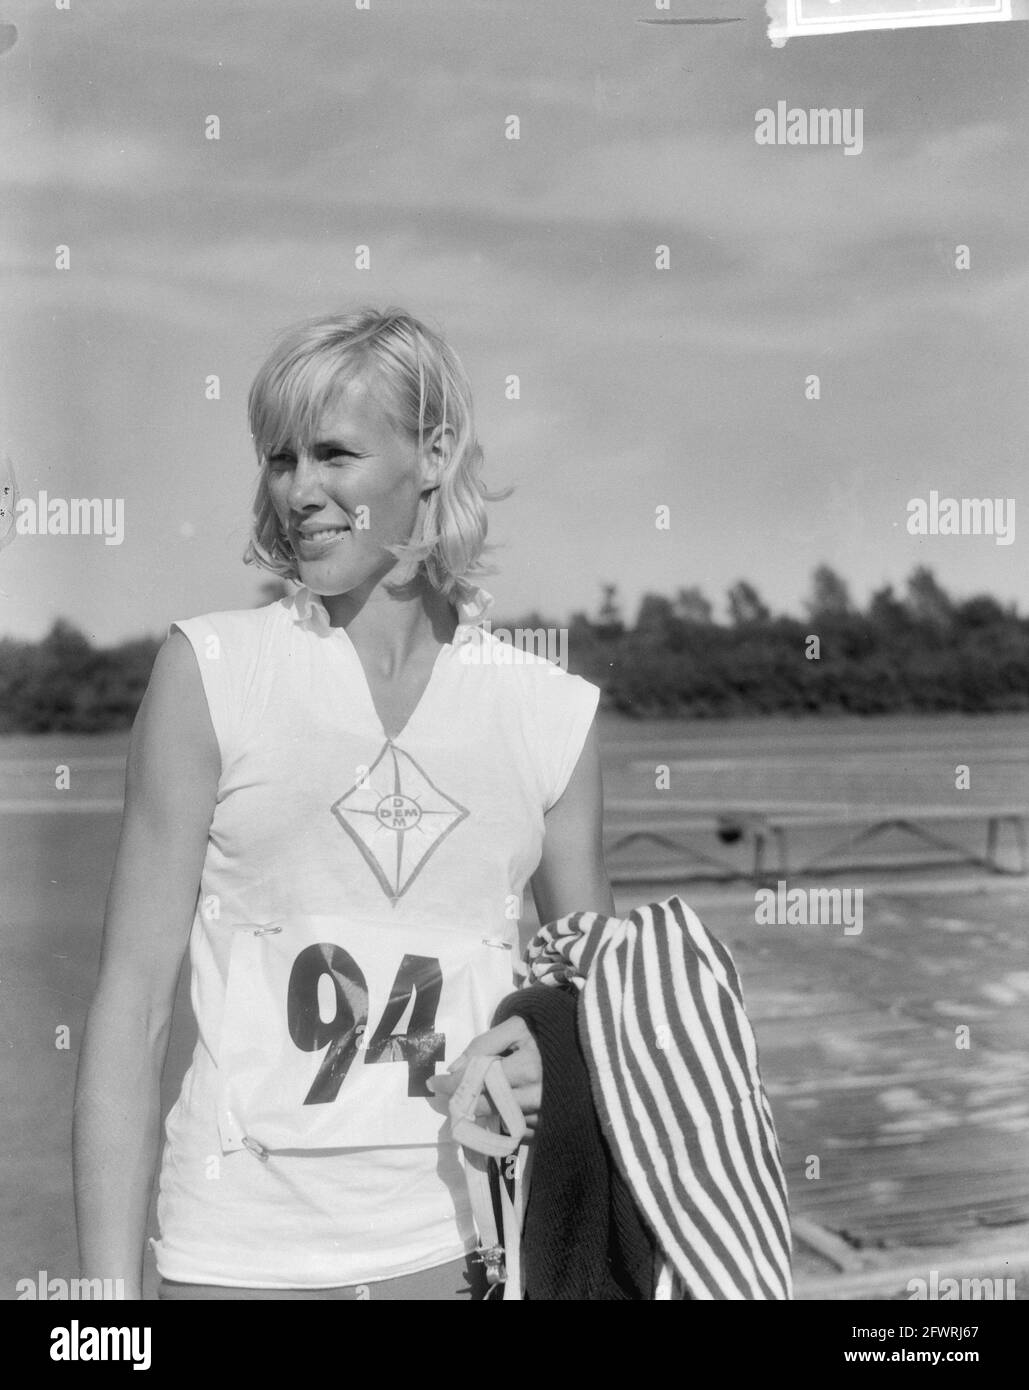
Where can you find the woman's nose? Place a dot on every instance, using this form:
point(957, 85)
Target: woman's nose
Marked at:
point(306, 485)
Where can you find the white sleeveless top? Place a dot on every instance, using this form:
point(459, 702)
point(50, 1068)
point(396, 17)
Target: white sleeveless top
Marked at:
point(356, 925)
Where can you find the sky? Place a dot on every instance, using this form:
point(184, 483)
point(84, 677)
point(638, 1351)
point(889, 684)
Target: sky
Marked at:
point(640, 387)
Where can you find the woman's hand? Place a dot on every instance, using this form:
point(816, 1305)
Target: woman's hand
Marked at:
point(514, 1044)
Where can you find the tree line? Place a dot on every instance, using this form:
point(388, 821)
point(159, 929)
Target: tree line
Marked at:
point(919, 650)
point(916, 651)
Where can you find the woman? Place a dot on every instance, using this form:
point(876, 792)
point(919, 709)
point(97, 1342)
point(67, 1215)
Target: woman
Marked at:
point(338, 799)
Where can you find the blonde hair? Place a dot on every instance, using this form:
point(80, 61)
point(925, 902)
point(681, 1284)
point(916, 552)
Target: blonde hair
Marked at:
point(424, 387)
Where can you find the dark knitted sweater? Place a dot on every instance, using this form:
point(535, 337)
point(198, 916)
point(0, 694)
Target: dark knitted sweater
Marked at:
point(583, 1237)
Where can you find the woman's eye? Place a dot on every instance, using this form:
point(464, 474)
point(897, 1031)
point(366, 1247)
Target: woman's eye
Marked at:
point(287, 460)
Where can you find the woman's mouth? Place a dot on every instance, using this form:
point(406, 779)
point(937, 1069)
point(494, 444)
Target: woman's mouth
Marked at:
point(312, 545)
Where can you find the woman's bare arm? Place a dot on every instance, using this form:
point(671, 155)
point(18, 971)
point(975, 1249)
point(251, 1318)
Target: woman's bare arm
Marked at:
point(170, 789)
point(571, 876)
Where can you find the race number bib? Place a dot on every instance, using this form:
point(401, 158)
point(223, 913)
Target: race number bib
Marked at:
point(332, 1028)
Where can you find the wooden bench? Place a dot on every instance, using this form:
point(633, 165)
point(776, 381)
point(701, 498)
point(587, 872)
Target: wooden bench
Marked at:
point(760, 824)
point(915, 821)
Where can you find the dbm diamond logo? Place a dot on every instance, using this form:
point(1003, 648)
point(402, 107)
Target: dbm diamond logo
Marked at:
point(397, 817)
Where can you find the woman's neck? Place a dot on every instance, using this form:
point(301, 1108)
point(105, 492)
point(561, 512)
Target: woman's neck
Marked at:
point(390, 628)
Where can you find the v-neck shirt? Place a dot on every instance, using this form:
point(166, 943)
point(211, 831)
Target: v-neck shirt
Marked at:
point(421, 844)
point(358, 683)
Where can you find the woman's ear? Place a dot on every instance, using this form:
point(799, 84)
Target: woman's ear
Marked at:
point(436, 457)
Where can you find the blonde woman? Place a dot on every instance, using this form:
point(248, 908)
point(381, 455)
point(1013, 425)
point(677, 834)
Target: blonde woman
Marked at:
point(337, 800)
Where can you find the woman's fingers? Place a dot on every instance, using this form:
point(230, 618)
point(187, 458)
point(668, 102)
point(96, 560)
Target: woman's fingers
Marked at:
point(520, 1058)
point(526, 1093)
point(522, 1067)
point(513, 1032)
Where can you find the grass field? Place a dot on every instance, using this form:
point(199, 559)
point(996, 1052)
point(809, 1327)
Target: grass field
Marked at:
point(920, 1146)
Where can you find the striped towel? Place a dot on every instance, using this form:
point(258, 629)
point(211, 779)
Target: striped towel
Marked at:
point(674, 1066)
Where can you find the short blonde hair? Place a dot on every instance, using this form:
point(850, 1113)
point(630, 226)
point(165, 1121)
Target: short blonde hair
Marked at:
point(423, 386)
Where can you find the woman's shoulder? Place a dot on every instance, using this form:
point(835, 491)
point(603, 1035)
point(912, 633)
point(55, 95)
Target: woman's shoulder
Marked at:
point(231, 648)
point(532, 690)
point(529, 679)
point(232, 621)
point(538, 653)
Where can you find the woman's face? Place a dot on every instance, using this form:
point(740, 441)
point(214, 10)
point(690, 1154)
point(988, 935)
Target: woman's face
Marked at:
point(351, 490)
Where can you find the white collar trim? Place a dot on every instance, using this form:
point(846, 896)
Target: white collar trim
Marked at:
point(308, 607)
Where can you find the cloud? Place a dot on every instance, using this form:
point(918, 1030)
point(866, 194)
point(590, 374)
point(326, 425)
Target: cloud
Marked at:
point(536, 257)
point(92, 160)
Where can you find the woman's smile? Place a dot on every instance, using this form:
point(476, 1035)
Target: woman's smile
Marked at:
point(313, 542)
